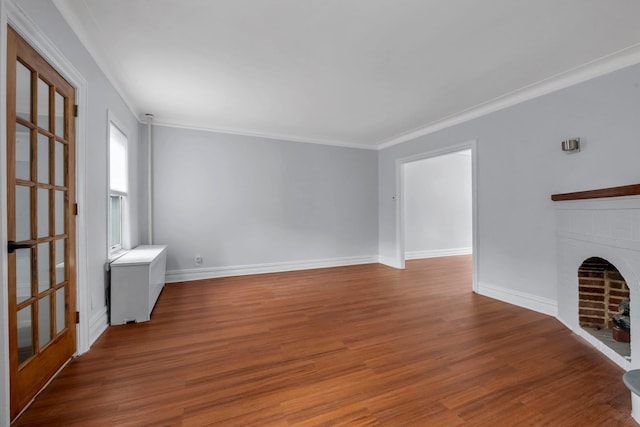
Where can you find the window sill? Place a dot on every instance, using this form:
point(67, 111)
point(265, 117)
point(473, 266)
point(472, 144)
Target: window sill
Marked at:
point(116, 254)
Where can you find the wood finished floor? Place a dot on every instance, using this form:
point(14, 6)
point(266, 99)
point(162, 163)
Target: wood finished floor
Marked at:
point(363, 346)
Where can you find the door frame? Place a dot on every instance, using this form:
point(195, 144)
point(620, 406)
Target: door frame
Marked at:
point(400, 203)
point(12, 14)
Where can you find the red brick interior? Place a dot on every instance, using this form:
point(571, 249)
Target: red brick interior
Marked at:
point(601, 288)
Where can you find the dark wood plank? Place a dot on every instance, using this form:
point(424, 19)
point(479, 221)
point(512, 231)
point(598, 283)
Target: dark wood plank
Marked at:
point(625, 190)
point(364, 346)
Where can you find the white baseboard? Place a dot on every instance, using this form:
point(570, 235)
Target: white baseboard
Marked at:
point(603, 348)
point(566, 324)
point(99, 323)
point(521, 299)
point(435, 253)
point(389, 261)
point(173, 276)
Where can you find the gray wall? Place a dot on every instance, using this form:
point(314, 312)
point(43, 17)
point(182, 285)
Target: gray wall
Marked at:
point(438, 205)
point(239, 201)
point(520, 165)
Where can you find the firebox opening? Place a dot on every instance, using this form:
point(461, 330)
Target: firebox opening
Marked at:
point(603, 308)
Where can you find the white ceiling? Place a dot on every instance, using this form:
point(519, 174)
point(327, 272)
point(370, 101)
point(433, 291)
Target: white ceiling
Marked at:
point(362, 73)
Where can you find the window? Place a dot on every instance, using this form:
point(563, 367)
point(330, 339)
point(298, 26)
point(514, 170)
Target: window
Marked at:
point(118, 187)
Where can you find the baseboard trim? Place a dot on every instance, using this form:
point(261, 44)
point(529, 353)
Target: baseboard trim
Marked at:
point(435, 253)
point(98, 323)
point(521, 299)
point(173, 276)
point(389, 261)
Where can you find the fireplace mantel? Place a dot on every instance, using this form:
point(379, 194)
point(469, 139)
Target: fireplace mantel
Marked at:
point(625, 190)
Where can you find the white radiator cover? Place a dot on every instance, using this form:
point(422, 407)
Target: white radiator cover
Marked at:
point(137, 278)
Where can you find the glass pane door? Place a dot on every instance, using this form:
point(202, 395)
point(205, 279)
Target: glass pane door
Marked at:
point(40, 223)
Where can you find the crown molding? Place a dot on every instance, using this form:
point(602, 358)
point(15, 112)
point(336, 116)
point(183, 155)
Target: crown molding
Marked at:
point(75, 23)
point(596, 68)
point(267, 135)
point(71, 17)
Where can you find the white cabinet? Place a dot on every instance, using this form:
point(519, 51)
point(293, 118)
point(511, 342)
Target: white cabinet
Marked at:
point(137, 278)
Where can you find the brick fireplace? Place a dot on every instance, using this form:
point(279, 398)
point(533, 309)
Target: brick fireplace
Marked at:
point(600, 226)
point(601, 289)
point(603, 302)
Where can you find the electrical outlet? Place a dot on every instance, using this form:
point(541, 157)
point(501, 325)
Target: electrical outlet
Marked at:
point(198, 260)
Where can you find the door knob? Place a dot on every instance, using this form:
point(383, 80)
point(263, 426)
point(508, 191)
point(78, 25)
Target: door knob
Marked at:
point(12, 246)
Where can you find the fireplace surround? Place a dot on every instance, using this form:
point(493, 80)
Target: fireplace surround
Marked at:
point(601, 224)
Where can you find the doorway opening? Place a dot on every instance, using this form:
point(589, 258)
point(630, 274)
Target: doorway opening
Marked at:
point(436, 213)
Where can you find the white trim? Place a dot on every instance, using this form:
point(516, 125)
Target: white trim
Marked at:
point(532, 302)
point(389, 261)
point(604, 349)
point(268, 135)
point(596, 68)
point(98, 323)
point(400, 209)
point(635, 407)
point(49, 51)
point(173, 276)
point(475, 223)
point(399, 261)
point(436, 253)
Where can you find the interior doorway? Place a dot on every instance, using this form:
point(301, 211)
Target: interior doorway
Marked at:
point(437, 209)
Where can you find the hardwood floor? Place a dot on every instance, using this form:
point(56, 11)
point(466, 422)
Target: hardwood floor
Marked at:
point(362, 345)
